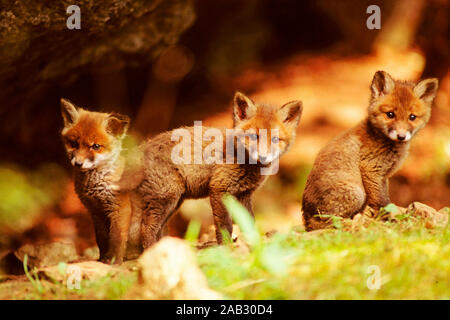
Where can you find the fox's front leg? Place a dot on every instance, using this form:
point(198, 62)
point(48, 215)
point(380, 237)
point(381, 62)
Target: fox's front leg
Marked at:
point(377, 190)
point(101, 228)
point(117, 241)
point(222, 219)
point(118, 233)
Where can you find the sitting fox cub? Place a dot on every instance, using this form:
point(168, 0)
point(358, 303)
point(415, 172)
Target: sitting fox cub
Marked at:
point(93, 142)
point(352, 171)
point(165, 184)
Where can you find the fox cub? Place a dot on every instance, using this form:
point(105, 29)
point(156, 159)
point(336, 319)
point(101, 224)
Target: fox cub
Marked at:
point(93, 142)
point(166, 184)
point(352, 171)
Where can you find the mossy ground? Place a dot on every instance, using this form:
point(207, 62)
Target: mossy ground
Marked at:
point(412, 262)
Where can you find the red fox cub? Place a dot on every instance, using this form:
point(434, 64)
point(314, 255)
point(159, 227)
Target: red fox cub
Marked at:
point(93, 142)
point(169, 179)
point(352, 171)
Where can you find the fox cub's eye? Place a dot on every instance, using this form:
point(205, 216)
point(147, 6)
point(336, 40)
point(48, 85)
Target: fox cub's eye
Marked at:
point(275, 140)
point(95, 146)
point(253, 136)
point(390, 115)
point(73, 144)
point(412, 117)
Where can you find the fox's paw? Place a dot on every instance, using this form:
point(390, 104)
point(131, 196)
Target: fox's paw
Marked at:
point(110, 261)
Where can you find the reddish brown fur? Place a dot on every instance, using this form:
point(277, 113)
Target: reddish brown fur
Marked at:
point(352, 171)
point(85, 132)
point(166, 185)
point(96, 170)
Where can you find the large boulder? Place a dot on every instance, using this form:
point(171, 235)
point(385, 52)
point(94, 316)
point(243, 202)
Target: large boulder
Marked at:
point(40, 57)
point(36, 46)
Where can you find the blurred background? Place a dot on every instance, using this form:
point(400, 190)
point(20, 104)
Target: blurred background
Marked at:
point(166, 63)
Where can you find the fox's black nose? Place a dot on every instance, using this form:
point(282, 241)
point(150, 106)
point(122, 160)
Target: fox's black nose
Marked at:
point(78, 164)
point(401, 137)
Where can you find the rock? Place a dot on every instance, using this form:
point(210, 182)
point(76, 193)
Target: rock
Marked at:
point(91, 253)
point(209, 236)
point(49, 254)
point(130, 265)
point(110, 29)
point(40, 58)
point(397, 214)
point(360, 221)
point(169, 270)
point(432, 217)
point(87, 270)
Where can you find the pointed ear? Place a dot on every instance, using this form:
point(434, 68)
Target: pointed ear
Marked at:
point(69, 112)
point(291, 112)
point(244, 108)
point(382, 84)
point(117, 124)
point(426, 89)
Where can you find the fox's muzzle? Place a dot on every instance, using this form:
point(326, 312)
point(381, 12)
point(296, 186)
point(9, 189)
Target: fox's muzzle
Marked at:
point(81, 162)
point(400, 135)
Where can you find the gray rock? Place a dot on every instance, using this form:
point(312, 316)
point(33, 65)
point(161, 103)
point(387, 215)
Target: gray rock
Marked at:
point(49, 254)
point(36, 45)
point(432, 217)
point(86, 270)
point(39, 55)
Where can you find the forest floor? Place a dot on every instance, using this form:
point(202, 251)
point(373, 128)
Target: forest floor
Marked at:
point(371, 259)
point(411, 260)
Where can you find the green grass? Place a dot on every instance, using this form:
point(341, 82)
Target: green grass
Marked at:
point(413, 261)
point(413, 265)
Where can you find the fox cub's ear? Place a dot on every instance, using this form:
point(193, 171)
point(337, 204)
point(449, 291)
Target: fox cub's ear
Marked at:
point(69, 112)
point(382, 84)
point(244, 108)
point(426, 89)
point(117, 124)
point(291, 112)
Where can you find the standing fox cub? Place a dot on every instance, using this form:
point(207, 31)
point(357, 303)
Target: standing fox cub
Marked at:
point(166, 183)
point(130, 205)
point(352, 171)
point(93, 142)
